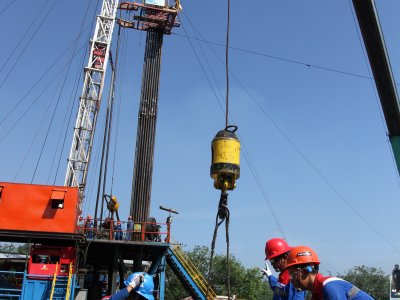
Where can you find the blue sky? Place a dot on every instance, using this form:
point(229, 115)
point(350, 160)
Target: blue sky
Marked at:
point(313, 137)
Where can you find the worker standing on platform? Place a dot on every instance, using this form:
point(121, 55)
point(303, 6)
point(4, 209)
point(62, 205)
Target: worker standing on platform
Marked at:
point(303, 265)
point(118, 231)
point(139, 286)
point(129, 228)
point(81, 225)
point(276, 251)
point(89, 227)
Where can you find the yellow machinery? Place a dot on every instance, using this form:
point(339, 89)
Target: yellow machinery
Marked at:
point(225, 165)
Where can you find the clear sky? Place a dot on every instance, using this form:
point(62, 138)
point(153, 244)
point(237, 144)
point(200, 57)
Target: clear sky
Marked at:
point(316, 165)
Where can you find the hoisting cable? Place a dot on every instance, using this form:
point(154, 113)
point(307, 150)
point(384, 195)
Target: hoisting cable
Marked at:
point(29, 27)
point(20, 55)
point(227, 63)
point(121, 77)
point(221, 96)
point(107, 132)
point(7, 7)
point(224, 169)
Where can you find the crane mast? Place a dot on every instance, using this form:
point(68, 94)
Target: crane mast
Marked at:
point(89, 106)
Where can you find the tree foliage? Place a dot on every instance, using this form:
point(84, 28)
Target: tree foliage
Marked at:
point(245, 283)
point(14, 248)
point(369, 279)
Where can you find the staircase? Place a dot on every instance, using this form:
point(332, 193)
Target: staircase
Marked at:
point(189, 275)
point(59, 290)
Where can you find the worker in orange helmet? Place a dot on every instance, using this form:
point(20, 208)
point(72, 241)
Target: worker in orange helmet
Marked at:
point(303, 265)
point(276, 251)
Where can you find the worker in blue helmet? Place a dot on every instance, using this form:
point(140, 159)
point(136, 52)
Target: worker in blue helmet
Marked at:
point(139, 286)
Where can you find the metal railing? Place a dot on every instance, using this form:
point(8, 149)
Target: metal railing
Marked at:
point(109, 230)
point(11, 284)
point(194, 273)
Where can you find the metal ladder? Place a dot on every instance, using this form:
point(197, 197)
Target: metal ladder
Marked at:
point(189, 275)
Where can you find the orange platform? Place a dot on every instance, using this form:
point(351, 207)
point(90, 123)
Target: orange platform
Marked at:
point(32, 207)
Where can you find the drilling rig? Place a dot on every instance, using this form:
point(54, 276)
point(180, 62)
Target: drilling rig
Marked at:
point(72, 257)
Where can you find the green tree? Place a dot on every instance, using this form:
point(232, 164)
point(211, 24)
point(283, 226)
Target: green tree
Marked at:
point(245, 283)
point(369, 279)
point(14, 248)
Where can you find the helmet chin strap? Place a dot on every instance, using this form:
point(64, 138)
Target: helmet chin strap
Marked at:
point(296, 282)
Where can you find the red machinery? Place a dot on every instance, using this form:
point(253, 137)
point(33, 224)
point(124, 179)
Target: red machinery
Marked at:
point(39, 208)
point(44, 259)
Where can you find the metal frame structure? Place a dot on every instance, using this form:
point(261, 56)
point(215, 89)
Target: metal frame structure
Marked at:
point(90, 99)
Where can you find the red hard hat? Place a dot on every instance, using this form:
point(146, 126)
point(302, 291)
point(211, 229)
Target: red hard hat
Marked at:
point(275, 247)
point(302, 255)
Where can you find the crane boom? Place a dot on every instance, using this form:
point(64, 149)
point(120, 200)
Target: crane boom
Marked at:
point(89, 106)
point(368, 21)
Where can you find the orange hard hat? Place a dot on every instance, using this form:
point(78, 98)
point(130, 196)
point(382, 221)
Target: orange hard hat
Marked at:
point(275, 247)
point(119, 222)
point(302, 255)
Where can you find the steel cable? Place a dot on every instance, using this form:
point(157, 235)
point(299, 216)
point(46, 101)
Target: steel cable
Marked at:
point(7, 7)
point(27, 44)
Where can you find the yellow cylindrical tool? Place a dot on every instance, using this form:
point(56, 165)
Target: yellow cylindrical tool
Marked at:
point(225, 165)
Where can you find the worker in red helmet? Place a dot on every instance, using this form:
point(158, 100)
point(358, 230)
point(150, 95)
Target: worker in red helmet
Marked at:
point(303, 265)
point(276, 251)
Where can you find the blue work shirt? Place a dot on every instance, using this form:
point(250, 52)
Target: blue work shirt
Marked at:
point(333, 288)
point(120, 295)
point(283, 289)
point(118, 232)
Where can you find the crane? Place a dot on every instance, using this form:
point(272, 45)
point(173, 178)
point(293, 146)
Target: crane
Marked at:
point(368, 21)
point(90, 99)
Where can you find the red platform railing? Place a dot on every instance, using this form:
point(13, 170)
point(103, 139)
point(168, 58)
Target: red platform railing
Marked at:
point(108, 230)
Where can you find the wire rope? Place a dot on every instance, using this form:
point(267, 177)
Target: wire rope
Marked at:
point(27, 44)
point(34, 138)
point(292, 61)
point(246, 154)
point(308, 161)
point(70, 106)
point(29, 107)
point(204, 71)
point(70, 109)
point(30, 26)
point(120, 74)
point(60, 93)
point(19, 102)
point(223, 211)
point(7, 7)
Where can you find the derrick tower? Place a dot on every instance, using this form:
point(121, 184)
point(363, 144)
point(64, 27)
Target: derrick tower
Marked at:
point(157, 18)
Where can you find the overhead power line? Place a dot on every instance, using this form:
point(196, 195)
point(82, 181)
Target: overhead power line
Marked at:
point(287, 60)
point(298, 150)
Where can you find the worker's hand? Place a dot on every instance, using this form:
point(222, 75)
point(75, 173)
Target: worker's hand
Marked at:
point(266, 272)
point(136, 281)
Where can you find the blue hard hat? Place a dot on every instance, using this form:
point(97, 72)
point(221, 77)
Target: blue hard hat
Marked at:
point(146, 287)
